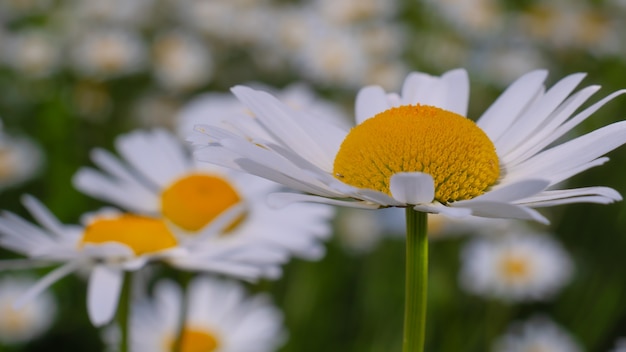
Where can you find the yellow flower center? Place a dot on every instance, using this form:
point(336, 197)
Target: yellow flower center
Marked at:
point(417, 138)
point(142, 234)
point(195, 200)
point(514, 268)
point(196, 340)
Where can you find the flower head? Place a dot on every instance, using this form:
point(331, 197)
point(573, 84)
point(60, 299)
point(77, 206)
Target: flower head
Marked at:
point(112, 243)
point(519, 266)
point(28, 322)
point(158, 178)
point(219, 318)
point(418, 148)
point(20, 159)
point(535, 335)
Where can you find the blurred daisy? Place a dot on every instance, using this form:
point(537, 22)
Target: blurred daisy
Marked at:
point(28, 322)
point(108, 53)
point(219, 318)
point(537, 334)
point(113, 243)
point(33, 53)
point(158, 178)
point(334, 57)
point(417, 148)
point(519, 266)
point(20, 159)
point(181, 61)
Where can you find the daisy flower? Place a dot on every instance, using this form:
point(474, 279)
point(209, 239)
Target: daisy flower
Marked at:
point(519, 266)
point(20, 159)
point(219, 318)
point(417, 148)
point(113, 243)
point(537, 334)
point(28, 322)
point(159, 178)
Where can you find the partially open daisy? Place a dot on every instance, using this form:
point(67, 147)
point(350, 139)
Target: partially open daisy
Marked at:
point(417, 149)
point(113, 243)
point(219, 318)
point(159, 178)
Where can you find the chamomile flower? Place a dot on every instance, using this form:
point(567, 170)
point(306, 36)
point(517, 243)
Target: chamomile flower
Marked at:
point(519, 266)
point(537, 334)
point(20, 159)
point(113, 243)
point(417, 149)
point(159, 178)
point(219, 318)
point(109, 245)
point(28, 322)
point(109, 52)
point(181, 61)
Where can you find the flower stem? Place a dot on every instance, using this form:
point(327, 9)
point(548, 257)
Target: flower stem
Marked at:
point(416, 284)
point(123, 311)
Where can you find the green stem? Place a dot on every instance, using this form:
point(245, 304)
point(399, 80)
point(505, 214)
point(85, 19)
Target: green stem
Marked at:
point(416, 284)
point(184, 278)
point(123, 311)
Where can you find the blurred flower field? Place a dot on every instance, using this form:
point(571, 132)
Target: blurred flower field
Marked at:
point(100, 98)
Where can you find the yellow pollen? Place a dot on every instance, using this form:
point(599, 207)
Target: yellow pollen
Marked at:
point(142, 234)
point(514, 268)
point(194, 201)
point(196, 340)
point(458, 155)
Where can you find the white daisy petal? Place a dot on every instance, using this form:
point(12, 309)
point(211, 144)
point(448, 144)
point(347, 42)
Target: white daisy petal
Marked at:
point(103, 292)
point(52, 277)
point(369, 102)
point(501, 114)
point(279, 200)
point(579, 150)
point(603, 195)
point(412, 187)
point(511, 192)
point(451, 211)
point(524, 128)
point(276, 117)
point(457, 91)
point(492, 209)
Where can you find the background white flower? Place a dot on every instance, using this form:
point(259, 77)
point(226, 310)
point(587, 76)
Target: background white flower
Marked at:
point(29, 321)
point(20, 159)
point(517, 265)
point(220, 318)
point(538, 333)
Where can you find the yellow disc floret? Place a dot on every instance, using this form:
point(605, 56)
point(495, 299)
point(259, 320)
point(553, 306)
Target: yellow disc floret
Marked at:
point(142, 234)
point(195, 340)
point(194, 201)
point(417, 138)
